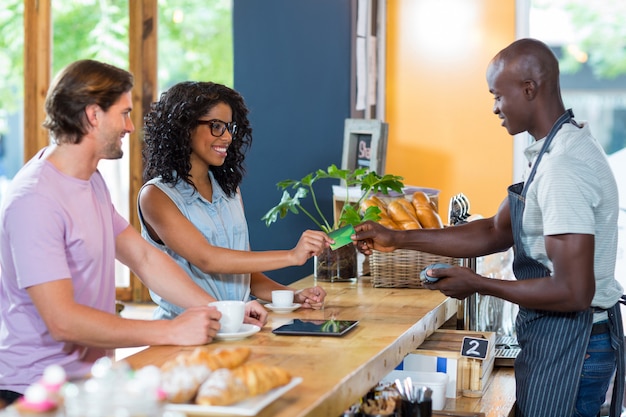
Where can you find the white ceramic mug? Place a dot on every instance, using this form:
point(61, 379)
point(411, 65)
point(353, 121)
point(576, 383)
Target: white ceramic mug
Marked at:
point(282, 298)
point(233, 313)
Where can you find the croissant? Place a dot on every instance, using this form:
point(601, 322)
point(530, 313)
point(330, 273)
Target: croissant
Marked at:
point(210, 358)
point(220, 358)
point(228, 386)
point(221, 388)
point(181, 377)
point(260, 378)
point(180, 383)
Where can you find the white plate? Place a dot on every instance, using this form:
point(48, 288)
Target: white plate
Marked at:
point(249, 407)
point(246, 330)
point(287, 309)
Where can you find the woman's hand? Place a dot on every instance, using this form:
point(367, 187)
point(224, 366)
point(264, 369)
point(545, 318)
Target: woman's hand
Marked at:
point(311, 243)
point(255, 314)
point(312, 297)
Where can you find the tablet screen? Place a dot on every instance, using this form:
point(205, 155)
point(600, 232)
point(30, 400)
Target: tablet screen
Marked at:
point(316, 327)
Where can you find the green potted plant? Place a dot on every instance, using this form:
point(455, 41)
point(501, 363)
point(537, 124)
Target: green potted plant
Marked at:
point(340, 264)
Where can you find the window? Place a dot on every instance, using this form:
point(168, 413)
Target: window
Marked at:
point(593, 78)
point(195, 44)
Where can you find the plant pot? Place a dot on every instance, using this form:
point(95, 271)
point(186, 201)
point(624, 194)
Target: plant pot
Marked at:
point(338, 265)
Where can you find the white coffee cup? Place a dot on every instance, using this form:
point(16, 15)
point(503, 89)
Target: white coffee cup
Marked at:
point(282, 298)
point(233, 313)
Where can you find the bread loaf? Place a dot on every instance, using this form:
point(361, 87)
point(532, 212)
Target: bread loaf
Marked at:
point(365, 204)
point(428, 218)
point(426, 211)
point(403, 213)
point(421, 198)
point(374, 201)
point(388, 223)
point(380, 203)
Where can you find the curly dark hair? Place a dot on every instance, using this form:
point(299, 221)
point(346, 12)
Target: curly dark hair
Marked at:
point(168, 127)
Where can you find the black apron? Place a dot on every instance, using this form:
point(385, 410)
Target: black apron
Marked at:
point(553, 344)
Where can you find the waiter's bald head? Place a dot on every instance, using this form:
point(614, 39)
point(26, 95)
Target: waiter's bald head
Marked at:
point(530, 60)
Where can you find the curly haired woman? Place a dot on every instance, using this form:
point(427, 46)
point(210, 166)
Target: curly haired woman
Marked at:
point(191, 207)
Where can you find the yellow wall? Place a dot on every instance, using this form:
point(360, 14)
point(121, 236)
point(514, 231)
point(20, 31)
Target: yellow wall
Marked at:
point(442, 131)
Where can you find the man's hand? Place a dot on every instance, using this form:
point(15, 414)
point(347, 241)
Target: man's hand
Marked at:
point(195, 326)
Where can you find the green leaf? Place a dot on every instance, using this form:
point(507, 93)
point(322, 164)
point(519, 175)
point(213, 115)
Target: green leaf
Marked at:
point(369, 182)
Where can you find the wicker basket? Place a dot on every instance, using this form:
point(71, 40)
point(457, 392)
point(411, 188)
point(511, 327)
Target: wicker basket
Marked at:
point(401, 268)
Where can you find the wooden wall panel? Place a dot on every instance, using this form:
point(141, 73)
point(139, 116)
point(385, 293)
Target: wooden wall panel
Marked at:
point(442, 131)
point(143, 64)
point(37, 68)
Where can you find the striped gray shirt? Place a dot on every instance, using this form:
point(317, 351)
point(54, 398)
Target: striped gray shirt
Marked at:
point(574, 191)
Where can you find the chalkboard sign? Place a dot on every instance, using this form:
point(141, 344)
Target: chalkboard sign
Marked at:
point(363, 150)
point(365, 145)
point(474, 347)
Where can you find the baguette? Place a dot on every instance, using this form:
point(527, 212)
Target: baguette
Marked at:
point(385, 217)
point(402, 212)
point(426, 211)
point(421, 198)
point(374, 201)
point(365, 204)
point(380, 203)
point(428, 218)
point(226, 386)
point(389, 224)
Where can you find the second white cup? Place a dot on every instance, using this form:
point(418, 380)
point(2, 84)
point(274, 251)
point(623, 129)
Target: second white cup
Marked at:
point(282, 298)
point(233, 313)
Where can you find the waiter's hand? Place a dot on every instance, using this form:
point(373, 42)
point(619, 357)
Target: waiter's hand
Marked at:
point(456, 282)
point(371, 236)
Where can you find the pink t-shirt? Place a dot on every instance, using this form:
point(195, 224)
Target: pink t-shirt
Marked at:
point(52, 226)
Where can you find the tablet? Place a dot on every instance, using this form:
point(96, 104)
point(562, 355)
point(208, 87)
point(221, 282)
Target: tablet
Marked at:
point(316, 327)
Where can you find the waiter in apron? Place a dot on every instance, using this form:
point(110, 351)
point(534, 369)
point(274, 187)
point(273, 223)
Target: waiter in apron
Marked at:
point(562, 224)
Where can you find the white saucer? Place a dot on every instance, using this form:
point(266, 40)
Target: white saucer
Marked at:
point(287, 309)
point(245, 331)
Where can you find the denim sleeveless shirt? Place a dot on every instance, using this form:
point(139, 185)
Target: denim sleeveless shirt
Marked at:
point(223, 223)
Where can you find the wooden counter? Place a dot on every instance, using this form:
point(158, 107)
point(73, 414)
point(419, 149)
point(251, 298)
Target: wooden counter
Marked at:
point(337, 372)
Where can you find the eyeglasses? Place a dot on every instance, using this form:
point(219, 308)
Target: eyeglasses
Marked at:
point(218, 127)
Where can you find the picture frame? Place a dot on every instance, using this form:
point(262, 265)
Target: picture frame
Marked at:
point(365, 145)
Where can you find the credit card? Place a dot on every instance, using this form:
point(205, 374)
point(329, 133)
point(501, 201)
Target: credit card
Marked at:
point(341, 237)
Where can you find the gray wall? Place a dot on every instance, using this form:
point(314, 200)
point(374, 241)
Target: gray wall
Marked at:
point(292, 66)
